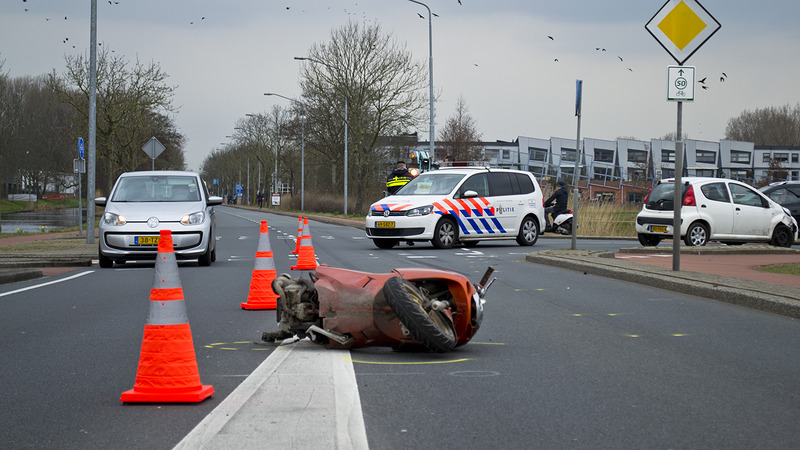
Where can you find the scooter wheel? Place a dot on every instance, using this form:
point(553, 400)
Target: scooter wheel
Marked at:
point(432, 329)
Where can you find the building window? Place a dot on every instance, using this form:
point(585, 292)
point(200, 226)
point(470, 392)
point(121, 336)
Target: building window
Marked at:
point(668, 156)
point(538, 155)
point(741, 157)
point(705, 156)
point(795, 157)
point(766, 158)
point(506, 154)
point(637, 156)
point(738, 174)
point(603, 173)
point(667, 173)
point(704, 172)
point(636, 174)
point(636, 197)
point(780, 157)
point(604, 155)
point(567, 155)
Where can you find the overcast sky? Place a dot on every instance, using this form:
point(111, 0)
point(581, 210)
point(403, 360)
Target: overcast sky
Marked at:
point(223, 55)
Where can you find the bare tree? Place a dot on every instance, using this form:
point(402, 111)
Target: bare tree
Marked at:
point(775, 171)
point(129, 100)
point(671, 136)
point(460, 138)
point(384, 89)
point(773, 125)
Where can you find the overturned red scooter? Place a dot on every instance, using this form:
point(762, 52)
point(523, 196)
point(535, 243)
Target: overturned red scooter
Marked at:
point(413, 308)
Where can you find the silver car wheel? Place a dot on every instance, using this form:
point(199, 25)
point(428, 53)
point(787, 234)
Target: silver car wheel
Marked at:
point(697, 235)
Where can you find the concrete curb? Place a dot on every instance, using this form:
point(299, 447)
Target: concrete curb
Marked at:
point(784, 300)
point(15, 275)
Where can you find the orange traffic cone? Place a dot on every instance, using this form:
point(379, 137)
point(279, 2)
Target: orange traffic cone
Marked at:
point(167, 364)
point(261, 295)
point(299, 235)
point(306, 260)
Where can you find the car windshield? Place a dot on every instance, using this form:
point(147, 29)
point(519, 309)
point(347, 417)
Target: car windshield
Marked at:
point(157, 189)
point(662, 197)
point(432, 183)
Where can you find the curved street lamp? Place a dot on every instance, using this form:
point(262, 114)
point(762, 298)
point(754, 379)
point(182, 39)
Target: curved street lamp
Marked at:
point(330, 66)
point(430, 75)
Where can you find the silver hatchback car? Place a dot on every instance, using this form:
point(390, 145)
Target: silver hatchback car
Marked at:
point(142, 204)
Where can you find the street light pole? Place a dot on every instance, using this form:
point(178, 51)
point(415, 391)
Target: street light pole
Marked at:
point(302, 58)
point(430, 77)
point(275, 173)
point(302, 149)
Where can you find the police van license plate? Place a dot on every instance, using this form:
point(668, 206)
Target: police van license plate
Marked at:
point(145, 240)
point(658, 228)
point(384, 224)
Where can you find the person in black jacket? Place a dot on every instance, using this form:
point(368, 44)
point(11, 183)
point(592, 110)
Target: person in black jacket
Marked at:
point(399, 177)
point(556, 204)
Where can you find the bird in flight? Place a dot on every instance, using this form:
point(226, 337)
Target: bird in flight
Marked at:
point(420, 16)
point(703, 81)
point(550, 37)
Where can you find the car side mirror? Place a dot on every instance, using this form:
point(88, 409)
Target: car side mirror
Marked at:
point(469, 194)
point(100, 201)
point(214, 200)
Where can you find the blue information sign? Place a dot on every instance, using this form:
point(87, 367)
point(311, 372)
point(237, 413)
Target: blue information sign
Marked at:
point(80, 147)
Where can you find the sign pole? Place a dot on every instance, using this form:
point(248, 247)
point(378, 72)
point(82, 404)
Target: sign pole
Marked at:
point(80, 206)
point(91, 176)
point(575, 177)
point(681, 27)
point(678, 194)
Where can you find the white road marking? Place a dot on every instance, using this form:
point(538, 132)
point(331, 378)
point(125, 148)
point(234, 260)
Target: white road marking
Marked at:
point(47, 283)
point(279, 405)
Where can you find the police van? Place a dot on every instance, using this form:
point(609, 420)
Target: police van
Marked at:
point(463, 205)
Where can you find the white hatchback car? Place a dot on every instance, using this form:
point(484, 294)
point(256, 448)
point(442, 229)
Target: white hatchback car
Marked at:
point(143, 203)
point(715, 209)
point(460, 205)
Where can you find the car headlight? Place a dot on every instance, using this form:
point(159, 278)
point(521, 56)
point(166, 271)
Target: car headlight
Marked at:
point(420, 211)
point(114, 219)
point(193, 218)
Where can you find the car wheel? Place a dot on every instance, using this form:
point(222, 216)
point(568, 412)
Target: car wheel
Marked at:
point(205, 258)
point(445, 234)
point(649, 240)
point(528, 232)
point(385, 243)
point(104, 261)
point(782, 236)
point(696, 235)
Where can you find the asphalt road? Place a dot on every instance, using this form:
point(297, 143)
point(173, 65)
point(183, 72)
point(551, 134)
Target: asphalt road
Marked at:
point(563, 360)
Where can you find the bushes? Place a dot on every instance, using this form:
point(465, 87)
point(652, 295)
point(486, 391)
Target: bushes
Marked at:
point(606, 219)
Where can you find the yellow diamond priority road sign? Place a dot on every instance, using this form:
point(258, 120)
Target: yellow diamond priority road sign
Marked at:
point(682, 27)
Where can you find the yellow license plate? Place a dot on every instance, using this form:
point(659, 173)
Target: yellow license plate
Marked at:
point(384, 224)
point(658, 229)
point(145, 240)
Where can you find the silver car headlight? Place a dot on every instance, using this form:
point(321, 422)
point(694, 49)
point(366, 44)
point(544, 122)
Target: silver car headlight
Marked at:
point(420, 211)
point(114, 219)
point(194, 218)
